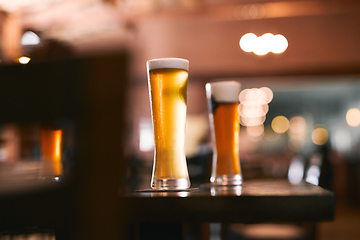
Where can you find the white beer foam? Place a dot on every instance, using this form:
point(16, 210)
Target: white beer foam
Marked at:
point(224, 91)
point(179, 63)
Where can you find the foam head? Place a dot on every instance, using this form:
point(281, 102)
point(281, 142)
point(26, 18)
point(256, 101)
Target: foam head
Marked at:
point(224, 91)
point(158, 63)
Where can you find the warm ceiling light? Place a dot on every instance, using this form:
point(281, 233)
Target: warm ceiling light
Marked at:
point(280, 44)
point(247, 42)
point(264, 44)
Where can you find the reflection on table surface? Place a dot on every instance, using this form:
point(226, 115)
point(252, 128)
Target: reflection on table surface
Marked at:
point(260, 187)
point(253, 201)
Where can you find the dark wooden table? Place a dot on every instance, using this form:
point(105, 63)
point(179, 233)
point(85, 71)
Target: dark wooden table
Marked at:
point(254, 202)
point(55, 206)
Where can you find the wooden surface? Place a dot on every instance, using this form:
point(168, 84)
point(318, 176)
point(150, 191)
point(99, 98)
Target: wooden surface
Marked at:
point(254, 201)
point(50, 205)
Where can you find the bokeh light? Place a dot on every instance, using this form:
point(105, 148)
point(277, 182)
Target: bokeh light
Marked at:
point(269, 94)
point(247, 42)
point(319, 136)
point(246, 121)
point(255, 131)
point(280, 124)
point(254, 105)
point(280, 44)
point(264, 44)
point(297, 131)
point(353, 117)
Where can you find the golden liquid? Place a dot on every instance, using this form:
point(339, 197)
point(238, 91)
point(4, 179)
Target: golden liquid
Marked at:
point(51, 152)
point(168, 100)
point(227, 129)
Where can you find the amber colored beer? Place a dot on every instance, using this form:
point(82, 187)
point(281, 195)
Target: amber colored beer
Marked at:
point(227, 130)
point(167, 79)
point(223, 100)
point(51, 152)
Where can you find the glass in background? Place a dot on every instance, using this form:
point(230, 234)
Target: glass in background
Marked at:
point(223, 102)
point(51, 153)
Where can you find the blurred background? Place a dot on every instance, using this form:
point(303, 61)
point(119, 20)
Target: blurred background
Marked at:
point(298, 62)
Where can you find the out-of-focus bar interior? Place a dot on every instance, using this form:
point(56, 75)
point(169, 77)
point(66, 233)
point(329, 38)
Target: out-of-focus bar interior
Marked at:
point(298, 62)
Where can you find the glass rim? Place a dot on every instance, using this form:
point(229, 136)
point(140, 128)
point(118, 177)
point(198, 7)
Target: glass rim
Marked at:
point(224, 91)
point(168, 62)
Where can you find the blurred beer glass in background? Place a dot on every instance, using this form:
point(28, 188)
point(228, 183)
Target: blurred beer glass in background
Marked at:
point(223, 102)
point(167, 80)
point(51, 153)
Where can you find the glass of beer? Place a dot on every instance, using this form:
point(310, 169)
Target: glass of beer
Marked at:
point(51, 153)
point(167, 81)
point(223, 103)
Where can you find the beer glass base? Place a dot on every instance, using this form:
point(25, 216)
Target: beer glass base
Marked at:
point(170, 183)
point(226, 180)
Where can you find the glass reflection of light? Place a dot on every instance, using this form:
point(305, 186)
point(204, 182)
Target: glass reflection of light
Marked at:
point(280, 124)
point(319, 136)
point(51, 153)
point(58, 144)
point(296, 170)
point(183, 194)
point(170, 194)
point(353, 117)
point(313, 172)
point(212, 191)
point(225, 190)
point(312, 175)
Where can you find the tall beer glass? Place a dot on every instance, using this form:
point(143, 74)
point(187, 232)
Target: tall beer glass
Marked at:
point(167, 81)
point(223, 102)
